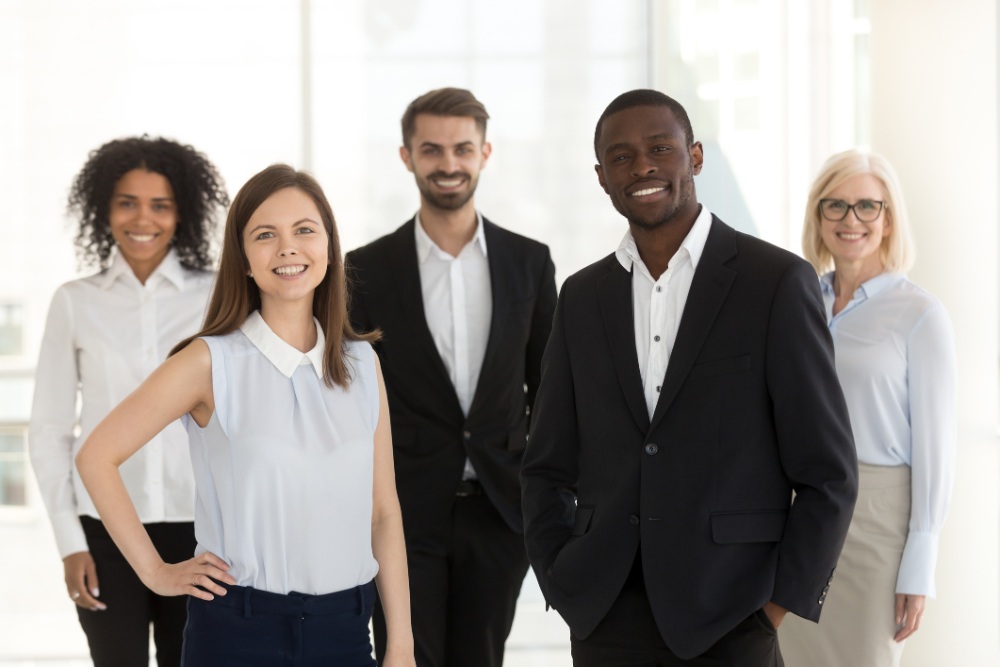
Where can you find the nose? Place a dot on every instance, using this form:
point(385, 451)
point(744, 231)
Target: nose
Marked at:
point(288, 247)
point(449, 163)
point(643, 166)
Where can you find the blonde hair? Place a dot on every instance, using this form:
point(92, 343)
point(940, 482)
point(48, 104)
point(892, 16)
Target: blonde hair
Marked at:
point(897, 251)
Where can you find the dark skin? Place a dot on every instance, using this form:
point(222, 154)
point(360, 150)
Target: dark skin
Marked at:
point(647, 167)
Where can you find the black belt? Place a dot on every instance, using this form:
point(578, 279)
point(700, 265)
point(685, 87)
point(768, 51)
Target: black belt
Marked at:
point(469, 487)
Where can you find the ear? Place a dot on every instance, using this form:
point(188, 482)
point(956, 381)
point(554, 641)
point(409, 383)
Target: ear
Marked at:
point(404, 155)
point(697, 154)
point(600, 177)
point(487, 150)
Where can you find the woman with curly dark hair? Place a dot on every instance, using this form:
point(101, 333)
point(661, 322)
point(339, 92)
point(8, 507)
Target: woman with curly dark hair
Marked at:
point(146, 209)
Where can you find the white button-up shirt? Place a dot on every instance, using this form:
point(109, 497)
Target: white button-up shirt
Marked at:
point(458, 305)
point(657, 305)
point(104, 335)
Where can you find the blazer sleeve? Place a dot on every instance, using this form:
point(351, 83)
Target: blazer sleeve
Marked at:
point(550, 465)
point(541, 327)
point(814, 440)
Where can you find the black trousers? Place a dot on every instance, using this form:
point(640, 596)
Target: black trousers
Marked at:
point(464, 583)
point(628, 637)
point(119, 635)
point(253, 628)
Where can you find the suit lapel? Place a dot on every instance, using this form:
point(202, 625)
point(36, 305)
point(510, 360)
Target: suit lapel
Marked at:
point(402, 265)
point(709, 288)
point(615, 294)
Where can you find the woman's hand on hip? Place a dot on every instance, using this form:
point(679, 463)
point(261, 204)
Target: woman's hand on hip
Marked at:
point(190, 577)
point(909, 611)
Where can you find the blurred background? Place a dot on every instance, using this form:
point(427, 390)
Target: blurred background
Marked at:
point(773, 87)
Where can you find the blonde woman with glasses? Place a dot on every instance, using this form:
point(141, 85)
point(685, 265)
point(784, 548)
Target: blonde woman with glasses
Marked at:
point(895, 358)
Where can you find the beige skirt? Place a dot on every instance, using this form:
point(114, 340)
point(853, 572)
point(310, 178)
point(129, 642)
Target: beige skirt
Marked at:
point(858, 621)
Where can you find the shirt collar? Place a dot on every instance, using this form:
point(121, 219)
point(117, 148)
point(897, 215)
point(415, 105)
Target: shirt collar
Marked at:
point(284, 357)
point(425, 244)
point(694, 243)
point(868, 289)
point(170, 269)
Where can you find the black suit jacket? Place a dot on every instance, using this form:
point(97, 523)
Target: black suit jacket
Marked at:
point(431, 437)
point(750, 411)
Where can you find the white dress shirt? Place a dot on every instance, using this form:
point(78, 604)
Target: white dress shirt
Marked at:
point(657, 305)
point(104, 335)
point(895, 356)
point(285, 466)
point(458, 305)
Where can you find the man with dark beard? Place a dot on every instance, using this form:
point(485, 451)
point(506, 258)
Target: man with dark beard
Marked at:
point(465, 310)
point(688, 389)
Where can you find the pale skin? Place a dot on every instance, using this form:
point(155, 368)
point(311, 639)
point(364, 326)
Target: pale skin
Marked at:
point(285, 231)
point(646, 165)
point(143, 217)
point(855, 247)
point(449, 146)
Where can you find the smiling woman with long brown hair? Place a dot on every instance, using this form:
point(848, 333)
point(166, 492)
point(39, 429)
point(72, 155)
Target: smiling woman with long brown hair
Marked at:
point(297, 516)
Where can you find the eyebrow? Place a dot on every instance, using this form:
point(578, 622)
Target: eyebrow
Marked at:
point(272, 227)
point(431, 144)
point(663, 136)
point(125, 195)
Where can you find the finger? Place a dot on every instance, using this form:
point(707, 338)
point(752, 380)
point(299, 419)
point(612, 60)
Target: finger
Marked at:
point(900, 608)
point(219, 569)
point(93, 585)
point(92, 590)
point(911, 622)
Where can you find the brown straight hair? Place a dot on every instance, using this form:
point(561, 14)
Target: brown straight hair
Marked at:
point(236, 295)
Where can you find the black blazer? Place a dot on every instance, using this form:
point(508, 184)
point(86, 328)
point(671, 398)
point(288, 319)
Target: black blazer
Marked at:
point(750, 411)
point(430, 435)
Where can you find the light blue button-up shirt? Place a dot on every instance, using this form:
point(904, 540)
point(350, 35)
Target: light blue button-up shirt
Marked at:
point(895, 356)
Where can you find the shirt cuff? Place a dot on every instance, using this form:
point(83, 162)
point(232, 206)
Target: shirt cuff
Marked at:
point(69, 534)
point(916, 568)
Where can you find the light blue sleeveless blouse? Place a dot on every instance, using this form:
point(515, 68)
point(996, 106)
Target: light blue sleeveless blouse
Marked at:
point(284, 469)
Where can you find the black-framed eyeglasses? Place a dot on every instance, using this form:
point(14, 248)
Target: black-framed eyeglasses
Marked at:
point(865, 210)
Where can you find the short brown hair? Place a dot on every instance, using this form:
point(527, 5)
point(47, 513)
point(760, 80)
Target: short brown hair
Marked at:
point(444, 102)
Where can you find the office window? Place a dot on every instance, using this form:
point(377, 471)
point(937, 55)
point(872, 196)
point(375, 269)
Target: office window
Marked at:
point(13, 466)
point(11, 329)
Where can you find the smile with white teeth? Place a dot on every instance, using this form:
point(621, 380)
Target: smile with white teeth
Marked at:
point(647, 191)
point(140, 238)
point(851, 236)
point(293, 270)
point(448, 183)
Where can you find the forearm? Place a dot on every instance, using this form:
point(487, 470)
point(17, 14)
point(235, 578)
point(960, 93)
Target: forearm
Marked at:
point(392, 581)
point(107, 490)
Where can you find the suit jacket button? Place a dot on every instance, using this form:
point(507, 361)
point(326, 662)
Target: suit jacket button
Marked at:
point(651, 449)
point(466, 435)
point(634, 520)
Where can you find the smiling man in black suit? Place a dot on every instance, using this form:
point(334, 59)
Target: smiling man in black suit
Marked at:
point(465, 308)
point(688, 389)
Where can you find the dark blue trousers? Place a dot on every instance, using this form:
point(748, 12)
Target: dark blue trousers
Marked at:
point(248, 627)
